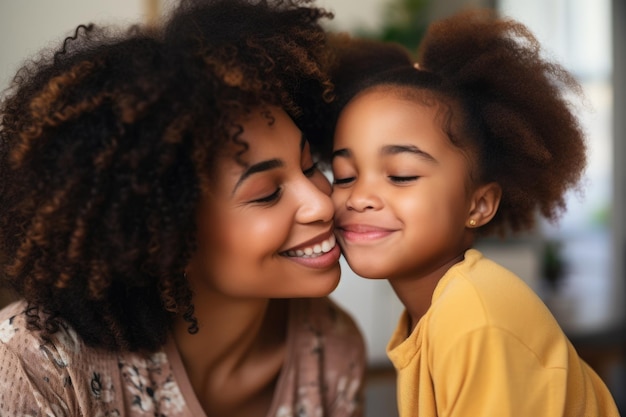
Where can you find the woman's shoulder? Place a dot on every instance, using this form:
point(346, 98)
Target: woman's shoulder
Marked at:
point(328, 340)
point(44, 373)
point(326, 330)
point(16, 334)
point(61, 372)
point(14, 329)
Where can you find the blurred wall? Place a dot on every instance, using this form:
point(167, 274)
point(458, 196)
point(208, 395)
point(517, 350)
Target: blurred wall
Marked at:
point(368, 14)
point(27, 26)
point(619, 155)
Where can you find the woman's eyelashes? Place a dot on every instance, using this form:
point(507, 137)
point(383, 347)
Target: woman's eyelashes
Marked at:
point(309, 172)
point(269, 199)
point(273, 197)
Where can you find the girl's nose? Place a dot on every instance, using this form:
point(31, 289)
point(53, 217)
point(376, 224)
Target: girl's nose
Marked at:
point(363, 197)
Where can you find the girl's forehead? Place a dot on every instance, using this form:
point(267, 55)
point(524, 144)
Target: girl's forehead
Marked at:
point(409, 93)
point(378, 102)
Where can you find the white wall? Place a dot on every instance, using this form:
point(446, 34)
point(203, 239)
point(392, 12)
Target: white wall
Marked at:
point(27, 26)
point(351, 14)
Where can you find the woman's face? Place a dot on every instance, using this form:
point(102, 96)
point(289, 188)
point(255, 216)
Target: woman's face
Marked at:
point(266, 229)
point(401, 189)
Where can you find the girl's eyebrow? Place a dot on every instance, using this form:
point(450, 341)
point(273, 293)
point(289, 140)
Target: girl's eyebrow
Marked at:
point(397, 149)
point(390, 150)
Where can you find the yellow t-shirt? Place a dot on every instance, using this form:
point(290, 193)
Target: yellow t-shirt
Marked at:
point(488, 346)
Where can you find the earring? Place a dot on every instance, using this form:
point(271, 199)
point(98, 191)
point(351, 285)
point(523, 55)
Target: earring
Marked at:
point(472, 222)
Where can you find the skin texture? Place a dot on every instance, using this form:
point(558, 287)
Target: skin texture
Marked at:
point(402, 194)
point(249, 221)
point(246, 226)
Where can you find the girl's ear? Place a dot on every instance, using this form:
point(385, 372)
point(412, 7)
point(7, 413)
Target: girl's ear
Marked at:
point(485, 202)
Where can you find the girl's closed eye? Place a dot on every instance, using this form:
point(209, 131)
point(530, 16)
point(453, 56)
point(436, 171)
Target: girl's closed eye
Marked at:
point(342, 181)
point(403, 179)
point(343, 172)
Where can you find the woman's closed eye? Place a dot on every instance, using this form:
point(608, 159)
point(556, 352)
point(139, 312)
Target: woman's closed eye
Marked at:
point(273, 197)
point(269, 199)
point(309, 172)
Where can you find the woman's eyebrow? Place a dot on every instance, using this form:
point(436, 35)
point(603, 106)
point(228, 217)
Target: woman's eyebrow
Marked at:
point(397, 149)
point(259, 167)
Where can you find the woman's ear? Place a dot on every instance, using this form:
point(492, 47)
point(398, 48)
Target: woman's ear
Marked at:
point(485, 202)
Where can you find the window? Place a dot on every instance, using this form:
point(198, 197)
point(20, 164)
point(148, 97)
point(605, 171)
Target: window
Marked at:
point(577, 33)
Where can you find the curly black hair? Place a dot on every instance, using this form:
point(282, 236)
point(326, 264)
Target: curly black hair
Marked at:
point(108, 142)
point(506, 105)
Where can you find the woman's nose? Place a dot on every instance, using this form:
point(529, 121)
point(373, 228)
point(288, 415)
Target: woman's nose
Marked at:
point(315, 202)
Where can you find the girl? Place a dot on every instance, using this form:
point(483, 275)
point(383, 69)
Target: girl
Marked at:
point(474, 140)
point(163, 224)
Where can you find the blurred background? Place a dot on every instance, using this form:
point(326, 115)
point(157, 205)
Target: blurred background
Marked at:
point(577, 267)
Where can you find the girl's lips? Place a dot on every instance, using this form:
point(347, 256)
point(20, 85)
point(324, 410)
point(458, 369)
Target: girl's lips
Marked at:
point(363, 233)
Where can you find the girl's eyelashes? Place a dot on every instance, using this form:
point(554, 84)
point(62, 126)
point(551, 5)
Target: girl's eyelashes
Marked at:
point(340, 181)
point(270, 198)
point(399, 179)
point(309, 172)
point(393, 178)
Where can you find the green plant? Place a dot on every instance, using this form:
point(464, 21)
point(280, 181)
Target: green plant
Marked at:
point(553, 265)
point(404, 22)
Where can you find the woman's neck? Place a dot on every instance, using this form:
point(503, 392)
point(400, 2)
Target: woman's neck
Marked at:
point(234, 360)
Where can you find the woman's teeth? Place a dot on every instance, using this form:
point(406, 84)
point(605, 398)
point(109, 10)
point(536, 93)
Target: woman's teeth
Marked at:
point(315, 250)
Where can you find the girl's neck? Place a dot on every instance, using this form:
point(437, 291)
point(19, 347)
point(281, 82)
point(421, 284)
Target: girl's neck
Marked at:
point(236, 355)
point(415, 291)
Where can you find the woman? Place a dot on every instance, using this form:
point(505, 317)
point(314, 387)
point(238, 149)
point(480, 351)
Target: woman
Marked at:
point(163, 223)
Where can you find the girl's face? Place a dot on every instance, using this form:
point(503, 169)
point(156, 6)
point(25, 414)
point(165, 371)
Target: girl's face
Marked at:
point(266, 229)
point(400, 190)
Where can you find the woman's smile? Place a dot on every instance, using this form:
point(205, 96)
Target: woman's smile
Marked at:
point(320, 252)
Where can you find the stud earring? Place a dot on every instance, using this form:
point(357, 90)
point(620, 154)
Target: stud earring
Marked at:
point(472, 222)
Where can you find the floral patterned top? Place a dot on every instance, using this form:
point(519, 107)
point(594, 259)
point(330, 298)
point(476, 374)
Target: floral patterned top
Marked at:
point(322, 374)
